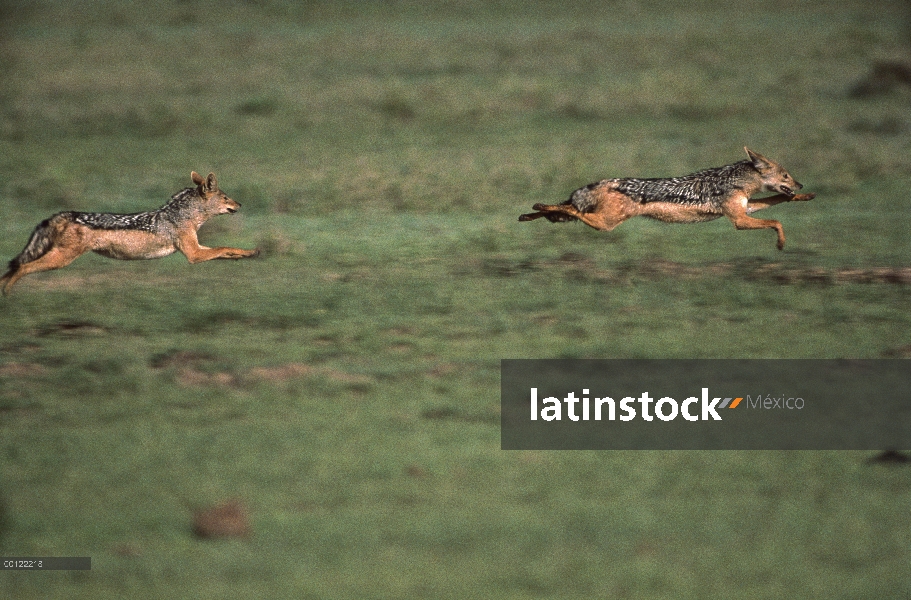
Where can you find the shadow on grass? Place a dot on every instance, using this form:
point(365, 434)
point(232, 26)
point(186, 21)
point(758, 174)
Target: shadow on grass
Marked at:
point(578, 267)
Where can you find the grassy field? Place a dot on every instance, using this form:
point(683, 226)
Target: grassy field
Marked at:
point(344, 387)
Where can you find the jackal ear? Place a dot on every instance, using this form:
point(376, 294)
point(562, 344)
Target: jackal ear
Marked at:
point(211, 182)
point(197, 178)
point(759, 161)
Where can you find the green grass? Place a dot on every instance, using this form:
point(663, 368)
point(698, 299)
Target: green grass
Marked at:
point(345, 386)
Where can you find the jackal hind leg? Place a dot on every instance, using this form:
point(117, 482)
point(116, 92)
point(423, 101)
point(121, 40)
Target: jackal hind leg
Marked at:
point(597, 219)
point(55, 258)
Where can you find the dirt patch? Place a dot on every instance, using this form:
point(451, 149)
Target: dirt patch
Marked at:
point(440, 413)
point(661, 269)
point(280, 372)
point(771, 272)
point(189, 377)
point(17, 369)
point(344, 376)
point(193, 369)
point(20, 348)
point(444, 413)
point(416, 471)
point(199, 369)
point(782, 274)
point(127, 549)
point(900, 352)
point(229, 519)
point(443, 369)
point(299, 370)
point(179, 358)
point(577, 267)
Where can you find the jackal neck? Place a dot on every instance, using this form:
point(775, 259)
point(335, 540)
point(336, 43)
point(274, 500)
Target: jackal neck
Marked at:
point(180, 206)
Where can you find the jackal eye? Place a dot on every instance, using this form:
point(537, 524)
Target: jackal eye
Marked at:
point(785, 176)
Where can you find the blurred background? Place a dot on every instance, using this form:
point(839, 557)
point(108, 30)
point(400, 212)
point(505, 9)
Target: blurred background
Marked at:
point(341, 394)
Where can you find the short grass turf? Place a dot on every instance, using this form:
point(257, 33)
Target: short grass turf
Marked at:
point(345, 386)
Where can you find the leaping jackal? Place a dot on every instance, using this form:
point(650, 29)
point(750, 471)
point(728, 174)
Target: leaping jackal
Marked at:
point(702, 196)
point(59, 240)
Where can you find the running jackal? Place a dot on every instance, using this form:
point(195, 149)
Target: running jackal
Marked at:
point(703, 196)
point(60, 239)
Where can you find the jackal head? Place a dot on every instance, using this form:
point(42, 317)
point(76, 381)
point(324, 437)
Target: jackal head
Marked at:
point(774, 176)
point(215, 202)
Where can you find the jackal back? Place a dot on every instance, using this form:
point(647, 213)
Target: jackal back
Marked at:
point(707, 187)
point(182, 206)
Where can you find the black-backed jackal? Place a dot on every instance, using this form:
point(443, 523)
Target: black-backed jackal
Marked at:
point(702, 196)
point(60, 239)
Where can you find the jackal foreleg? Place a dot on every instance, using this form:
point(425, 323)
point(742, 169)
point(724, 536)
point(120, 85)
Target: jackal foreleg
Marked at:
point(736, 209)
point(759, 204)
point(195, 252)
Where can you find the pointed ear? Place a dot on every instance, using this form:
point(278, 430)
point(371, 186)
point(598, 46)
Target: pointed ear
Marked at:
point(759, 161)
point(197, 178)
point(211, 182)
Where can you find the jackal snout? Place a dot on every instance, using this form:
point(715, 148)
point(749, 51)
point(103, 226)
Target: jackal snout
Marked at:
point(786, 190)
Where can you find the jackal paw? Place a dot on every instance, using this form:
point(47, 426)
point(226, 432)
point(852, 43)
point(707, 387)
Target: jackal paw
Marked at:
point(802, 197)
point(240, 253)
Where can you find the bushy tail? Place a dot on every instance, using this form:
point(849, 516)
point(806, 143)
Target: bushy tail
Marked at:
point(39, 244)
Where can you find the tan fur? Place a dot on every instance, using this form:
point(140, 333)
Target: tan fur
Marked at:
point(609, 207)
point(155, 234)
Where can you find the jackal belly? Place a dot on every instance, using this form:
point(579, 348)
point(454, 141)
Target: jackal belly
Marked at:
point(130, 244)
point(672, 212)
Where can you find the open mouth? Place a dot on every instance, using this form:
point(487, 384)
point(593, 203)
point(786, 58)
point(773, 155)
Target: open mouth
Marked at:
point(232, 210)
point(786, 190)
